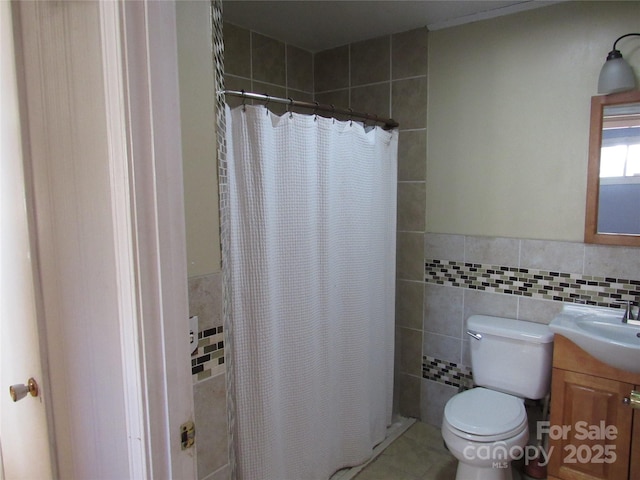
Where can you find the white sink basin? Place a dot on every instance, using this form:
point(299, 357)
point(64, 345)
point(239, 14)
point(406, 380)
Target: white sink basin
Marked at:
point(600, 332)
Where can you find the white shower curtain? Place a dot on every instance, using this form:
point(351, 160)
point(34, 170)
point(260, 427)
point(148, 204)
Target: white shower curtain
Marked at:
point(311, 253)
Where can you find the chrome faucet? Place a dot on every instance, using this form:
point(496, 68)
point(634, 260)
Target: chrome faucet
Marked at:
point(628, 311)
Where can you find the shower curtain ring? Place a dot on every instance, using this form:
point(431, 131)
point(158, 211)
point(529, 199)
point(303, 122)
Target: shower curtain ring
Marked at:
point(333, 112)
point(244, 99)
point(315, 111)
point(266, 102)
point(350, 116)
point(290, 107)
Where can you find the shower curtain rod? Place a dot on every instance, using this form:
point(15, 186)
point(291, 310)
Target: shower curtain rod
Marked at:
point(389, 123)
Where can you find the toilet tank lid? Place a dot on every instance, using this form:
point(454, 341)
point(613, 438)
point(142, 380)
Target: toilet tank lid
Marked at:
point(510, 328)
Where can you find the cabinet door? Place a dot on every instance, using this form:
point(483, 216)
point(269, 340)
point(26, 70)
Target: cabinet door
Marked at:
point(635, 443)
point(590, 433)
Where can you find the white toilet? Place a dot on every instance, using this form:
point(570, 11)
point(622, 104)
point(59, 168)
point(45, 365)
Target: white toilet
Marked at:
point(485, 427)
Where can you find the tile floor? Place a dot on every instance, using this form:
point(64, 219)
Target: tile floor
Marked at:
point(418, 454)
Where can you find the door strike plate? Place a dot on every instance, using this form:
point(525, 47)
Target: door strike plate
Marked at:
point(187, 434)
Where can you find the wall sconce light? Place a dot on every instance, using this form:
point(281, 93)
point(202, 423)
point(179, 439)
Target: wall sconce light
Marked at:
point(616, 74)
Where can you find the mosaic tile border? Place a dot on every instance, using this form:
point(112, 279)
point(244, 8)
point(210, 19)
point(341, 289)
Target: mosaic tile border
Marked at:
point(208, 360)
point(449, 373)
point(532, 283)
point(217, 46)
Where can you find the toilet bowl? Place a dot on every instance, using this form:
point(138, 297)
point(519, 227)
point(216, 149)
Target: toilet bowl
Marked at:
point(486, 427)
point(485, 430)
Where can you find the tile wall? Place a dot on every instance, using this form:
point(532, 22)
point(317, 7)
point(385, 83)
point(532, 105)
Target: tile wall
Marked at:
point(208, 373)
point(384, 75)
point(256, 63)
point(209, 379)
point(514, 278)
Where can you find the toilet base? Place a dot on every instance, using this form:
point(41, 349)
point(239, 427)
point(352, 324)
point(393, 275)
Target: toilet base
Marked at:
point(473, 472)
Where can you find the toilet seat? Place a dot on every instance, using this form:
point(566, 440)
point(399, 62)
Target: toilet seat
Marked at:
point(485, 415)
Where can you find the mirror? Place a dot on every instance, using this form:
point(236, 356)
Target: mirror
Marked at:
point(613, 176)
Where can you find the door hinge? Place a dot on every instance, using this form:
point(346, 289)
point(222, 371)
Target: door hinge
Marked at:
point(187, 434)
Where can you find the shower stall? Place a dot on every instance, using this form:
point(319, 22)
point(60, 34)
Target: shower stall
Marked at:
point(308, 230)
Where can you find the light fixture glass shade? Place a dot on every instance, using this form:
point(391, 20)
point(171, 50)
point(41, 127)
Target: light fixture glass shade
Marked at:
point(616, 76)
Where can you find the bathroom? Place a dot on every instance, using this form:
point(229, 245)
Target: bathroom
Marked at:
point(492, 171)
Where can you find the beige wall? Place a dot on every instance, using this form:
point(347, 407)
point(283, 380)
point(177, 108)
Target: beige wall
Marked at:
point(508, 118)
point(197, 105)
point(197, 102)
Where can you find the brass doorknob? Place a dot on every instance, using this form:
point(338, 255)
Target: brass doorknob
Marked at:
point(18, 392)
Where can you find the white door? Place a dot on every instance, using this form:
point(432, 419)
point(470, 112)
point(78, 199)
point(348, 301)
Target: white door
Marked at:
point(23, 426)
point(98, 84)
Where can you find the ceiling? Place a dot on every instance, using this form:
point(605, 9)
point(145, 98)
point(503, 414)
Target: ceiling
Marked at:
point(317, 25)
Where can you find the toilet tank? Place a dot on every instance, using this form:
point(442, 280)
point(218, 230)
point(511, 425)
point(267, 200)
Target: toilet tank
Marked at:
point(511, 356)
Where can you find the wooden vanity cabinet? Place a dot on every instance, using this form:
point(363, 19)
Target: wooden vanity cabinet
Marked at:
point(594, 433)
